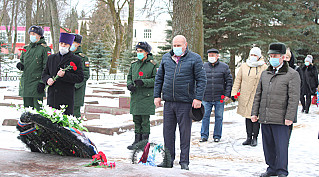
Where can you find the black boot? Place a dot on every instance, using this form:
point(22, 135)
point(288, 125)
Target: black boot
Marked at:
point(248, 140)
point(138, 138)
point(254, 141)
point(145, 136)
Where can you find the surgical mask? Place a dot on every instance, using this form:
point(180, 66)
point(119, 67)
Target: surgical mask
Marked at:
point(72, 48)
point(178, 51)
point(253, 58)
point(140, 56)
point(274, 62)
point(33, 38)
point(63, 50)
point(212, 59)
point(307, 63)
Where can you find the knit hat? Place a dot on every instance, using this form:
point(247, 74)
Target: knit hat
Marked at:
point(255, 51)
point(309, 58)
point(66, 38)
point(143, 45)
point(36, 29)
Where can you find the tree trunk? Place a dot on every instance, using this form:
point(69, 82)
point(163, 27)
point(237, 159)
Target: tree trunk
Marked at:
point(28, 22)
point(4, 9)
point(232, 62)
point(130, 20)
point(10, 27)
point(37, 15)
point(188, 21)
point(15, 26)
point(55, 25)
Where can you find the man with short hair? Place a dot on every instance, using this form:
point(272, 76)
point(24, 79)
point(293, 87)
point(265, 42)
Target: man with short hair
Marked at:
point(32, 62)
point(218, 89)
point(61, 90)
point(275, 105)
point(80, 87)
point(181, 82)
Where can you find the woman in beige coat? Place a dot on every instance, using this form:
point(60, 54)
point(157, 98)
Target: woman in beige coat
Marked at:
point(246, 82)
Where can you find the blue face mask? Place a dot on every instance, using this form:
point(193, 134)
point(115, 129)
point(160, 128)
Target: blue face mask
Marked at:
point(72, 48)
point(140, 56)
point(274, 62)
point(178, 51)
point(307, 63)
point(33, 38)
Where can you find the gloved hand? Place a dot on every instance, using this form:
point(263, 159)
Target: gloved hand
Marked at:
point(139, 82)
point(40, 87)
point(233, 98)
point(131, 88)
point(20, 66)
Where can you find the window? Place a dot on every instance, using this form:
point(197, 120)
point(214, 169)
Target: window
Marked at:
point(147, 33)
point(47, 37)
point(3, 36)
point(20, 37)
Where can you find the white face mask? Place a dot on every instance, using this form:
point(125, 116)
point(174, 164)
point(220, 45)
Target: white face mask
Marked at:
point(212, 59)
point(253, 58)
point(63, 50)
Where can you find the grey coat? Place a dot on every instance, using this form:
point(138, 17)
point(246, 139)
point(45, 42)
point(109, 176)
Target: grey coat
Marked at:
point(277, 95)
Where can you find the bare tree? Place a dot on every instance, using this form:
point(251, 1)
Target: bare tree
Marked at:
point(54, 25)
point(4, 10)
point(130, 20)
point(115, 9)
point(28, 19)
point(188, 21)
point(17, 2)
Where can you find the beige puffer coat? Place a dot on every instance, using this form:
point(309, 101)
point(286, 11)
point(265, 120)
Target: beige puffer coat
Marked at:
point(246, 83)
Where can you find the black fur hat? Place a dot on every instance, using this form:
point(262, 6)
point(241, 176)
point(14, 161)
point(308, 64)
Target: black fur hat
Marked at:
point(36, 29)
point(277, 48)
point(77, 38)
point(144, 45)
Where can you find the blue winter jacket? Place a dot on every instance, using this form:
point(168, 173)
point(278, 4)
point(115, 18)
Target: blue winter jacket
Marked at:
point(219, 81)
point(180, 82)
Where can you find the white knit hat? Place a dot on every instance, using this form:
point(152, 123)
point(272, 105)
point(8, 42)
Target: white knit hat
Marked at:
point(309, 58)
point(255, 51)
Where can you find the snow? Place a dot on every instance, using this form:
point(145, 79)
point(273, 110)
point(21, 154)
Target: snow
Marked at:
point(226, 158)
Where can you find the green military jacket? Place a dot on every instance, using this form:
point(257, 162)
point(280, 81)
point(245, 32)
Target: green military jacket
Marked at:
point(34, 59)
point(80, 87)
point(142, 100)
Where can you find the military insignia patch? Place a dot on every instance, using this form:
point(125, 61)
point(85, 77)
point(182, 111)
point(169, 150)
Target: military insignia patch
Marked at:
point(49, 53)
point(87, 64)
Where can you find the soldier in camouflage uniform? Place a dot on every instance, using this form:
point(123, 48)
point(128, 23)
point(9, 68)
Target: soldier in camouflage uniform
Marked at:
point(32, 62)
point(140, 81)
point(80, 87)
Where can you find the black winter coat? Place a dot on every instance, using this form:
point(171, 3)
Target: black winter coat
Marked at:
point(219, 81)
point(62, 91)
point(309, 77)
point(180, 82)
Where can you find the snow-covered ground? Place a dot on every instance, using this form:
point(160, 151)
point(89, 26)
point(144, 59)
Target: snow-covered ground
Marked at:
point(226, 158)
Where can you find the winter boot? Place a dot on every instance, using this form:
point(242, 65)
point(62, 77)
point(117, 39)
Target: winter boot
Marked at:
point(254, 141)
point(248, 140)
point(138, 138)
point(145, 136)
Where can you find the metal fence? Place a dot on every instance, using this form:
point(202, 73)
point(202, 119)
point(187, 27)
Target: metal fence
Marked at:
point(92, 77)
point(9, 78)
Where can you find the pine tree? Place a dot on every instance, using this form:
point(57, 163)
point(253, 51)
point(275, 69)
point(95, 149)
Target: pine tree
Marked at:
point(99, 58)
point(126, 59)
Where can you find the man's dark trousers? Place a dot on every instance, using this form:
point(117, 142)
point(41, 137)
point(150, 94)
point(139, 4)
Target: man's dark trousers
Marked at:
point(275, 144)
point(177, 112)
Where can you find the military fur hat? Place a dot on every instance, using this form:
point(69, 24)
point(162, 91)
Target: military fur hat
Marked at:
point(197, 114)
point(212, 51)
point(143, 45)
point(277, 48)
point(77, 38)
point(36, 29)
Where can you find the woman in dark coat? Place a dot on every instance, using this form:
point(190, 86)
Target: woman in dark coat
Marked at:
point(309, 77)
point(61, 90)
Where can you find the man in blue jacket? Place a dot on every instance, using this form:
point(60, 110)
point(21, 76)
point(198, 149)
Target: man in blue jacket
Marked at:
point(181, 79)
point(218, 90)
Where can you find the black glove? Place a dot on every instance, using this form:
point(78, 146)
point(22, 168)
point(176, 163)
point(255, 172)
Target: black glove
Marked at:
point(131, 88)
point(20, 66)
point(139, 82)
point(40, 87)
point(233, 98)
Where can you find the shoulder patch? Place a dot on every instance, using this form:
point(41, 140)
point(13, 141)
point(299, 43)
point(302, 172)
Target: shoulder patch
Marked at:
point(87, 64)
point(153, 62)
point(44, 45)
point(134, 61)
point(81, 54)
